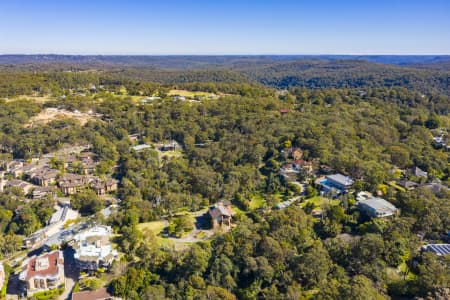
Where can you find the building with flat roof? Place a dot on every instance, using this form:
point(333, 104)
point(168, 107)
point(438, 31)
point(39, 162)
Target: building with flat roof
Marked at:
point(45, 272)
point(376, 207)
point(93, 249)
point(336, 184)
point(140, 147)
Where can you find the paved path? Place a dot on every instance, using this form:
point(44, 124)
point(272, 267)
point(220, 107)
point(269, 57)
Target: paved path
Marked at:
point(71, 272)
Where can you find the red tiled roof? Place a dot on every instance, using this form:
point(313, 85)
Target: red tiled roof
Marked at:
point(52, 270)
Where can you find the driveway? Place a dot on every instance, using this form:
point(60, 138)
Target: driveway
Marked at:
point(71, 272)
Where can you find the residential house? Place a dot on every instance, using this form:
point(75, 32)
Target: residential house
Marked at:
point(338, 182)
point(100, 294)
point(141, 147)
point(376, 207)
point(68, 160)
point(438, 249)
point(436, 188)
point(295, 153)
point(170, 146)
point(221, 214)
point(24, 170)
point(93, 248)
point(45, 272)
point(87, 155)
point(441, 141)
point(102, 187)
point(35, 240)
point(44, 191)
point(416, 171)
point(290, 168)
point(26, 187)
point(72, 183)
point(88, 165)
point(44, 176)
point(306, 166)
point(284, 111)
point(407, 184)
point(134, 138)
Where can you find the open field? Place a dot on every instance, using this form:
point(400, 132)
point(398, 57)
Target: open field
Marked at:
point(51, 114)
point(155, 226)
point(319, 201)
point(190, 94)
point(37, 99)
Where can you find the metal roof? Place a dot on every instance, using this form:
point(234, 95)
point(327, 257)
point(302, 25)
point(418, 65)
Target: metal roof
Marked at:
point(438, 249)
point(341, 179)
point(378, 204)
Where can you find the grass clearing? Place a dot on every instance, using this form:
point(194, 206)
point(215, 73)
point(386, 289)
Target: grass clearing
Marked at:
point(170, 154)
point(155, 226)
point(256, 201)
point(319, 201)
point(190, 94)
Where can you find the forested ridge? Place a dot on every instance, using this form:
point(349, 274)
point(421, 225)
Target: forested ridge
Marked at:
point(428, 75)
point(369, 121)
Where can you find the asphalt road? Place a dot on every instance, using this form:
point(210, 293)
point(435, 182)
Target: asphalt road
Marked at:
point(71, 272)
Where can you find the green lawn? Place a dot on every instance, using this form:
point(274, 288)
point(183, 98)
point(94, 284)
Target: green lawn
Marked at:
point(156, 226)
point(318, 201)
point(256, 201)
point(190, 94)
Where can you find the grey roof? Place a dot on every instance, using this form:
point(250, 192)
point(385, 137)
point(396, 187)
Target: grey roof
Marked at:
point(435, 187)
point(439, 249)
point(379, 204)
point(419, 172)
point(140, 147)
point(341, 179)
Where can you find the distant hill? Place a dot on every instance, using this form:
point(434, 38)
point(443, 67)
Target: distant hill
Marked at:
point(322, 73)
point(208, 61)
point(423, 73)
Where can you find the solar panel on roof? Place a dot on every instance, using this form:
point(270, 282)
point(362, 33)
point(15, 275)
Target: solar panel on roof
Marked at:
point(439, 249)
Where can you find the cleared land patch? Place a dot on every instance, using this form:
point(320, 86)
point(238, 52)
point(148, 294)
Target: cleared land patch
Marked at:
point(51, 114)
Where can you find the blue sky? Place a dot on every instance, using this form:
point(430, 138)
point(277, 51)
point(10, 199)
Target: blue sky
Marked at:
point(225, 27)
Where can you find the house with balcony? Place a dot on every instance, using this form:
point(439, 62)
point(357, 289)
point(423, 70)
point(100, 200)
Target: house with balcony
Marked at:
point(44, 177)
point(44, 272)
point(336, 184)
point(93, 249)
point(72, 183)
point(102, 187)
